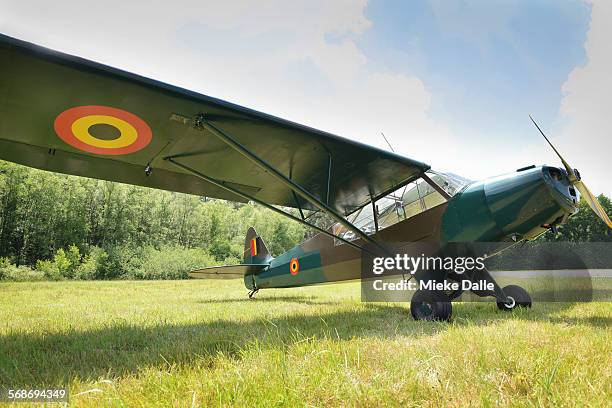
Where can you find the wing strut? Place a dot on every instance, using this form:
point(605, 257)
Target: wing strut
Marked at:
point(435, 186)
point(201, 122)
point(224, 186)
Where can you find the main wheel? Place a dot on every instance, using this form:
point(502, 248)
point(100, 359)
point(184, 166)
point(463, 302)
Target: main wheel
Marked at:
point(431, 305)
point(517, 297)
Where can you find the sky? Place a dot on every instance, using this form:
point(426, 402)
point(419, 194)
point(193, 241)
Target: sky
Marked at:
point(450, 83)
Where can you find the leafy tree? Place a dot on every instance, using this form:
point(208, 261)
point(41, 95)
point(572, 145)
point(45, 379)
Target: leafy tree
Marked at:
point(42, 212)
point(77, 228)
point(584, 226)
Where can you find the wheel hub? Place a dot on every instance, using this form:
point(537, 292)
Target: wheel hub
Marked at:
point(510, 302)
point(425, 309)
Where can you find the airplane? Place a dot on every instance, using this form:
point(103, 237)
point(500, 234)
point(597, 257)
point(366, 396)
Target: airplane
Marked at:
point(69, 115)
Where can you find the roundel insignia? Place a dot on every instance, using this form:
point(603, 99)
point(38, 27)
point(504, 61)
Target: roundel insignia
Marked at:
point(124, 132)
point(294, 266)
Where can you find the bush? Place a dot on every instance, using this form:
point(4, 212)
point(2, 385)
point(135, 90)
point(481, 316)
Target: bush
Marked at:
point(91, 264)
point(49, 269)
point(11, 272)
point(5, 263)
point(70, 264)
point(221, 250)
point(169, 263)
point(119, 263)
point(63, 264)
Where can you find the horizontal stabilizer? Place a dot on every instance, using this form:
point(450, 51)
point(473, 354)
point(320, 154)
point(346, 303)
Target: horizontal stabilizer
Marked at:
point(227, 271)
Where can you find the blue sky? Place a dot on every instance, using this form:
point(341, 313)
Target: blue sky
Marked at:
point(449, 82)
point(486, 76)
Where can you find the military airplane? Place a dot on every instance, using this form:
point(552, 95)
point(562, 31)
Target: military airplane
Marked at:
point(66, 114)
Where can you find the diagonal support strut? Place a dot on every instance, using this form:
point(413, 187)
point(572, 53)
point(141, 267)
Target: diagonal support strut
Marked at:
point(435, 186)
point(202, 123)
point(223, 186)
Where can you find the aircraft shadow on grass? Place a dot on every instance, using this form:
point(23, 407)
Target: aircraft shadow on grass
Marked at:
point(307, 300)
point(54, 359)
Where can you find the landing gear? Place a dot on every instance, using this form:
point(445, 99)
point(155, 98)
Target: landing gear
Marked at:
point(252, 293)
point(516, 297)
point(431, 305)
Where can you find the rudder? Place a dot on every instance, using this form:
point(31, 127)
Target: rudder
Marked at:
point(255, 250)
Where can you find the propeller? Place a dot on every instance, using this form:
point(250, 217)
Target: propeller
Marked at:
point(574, 179)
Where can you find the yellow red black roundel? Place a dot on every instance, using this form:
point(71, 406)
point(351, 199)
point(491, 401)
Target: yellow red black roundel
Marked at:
point(294, 266)
point(73, 127)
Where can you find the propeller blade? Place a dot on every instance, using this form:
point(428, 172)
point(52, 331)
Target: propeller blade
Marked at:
point(593, 202)
point(570, 172)
point(582, 188)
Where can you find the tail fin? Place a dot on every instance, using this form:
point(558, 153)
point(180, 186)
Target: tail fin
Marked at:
point(255, 250)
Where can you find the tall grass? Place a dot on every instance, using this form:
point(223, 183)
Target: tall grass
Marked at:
point(203, 343)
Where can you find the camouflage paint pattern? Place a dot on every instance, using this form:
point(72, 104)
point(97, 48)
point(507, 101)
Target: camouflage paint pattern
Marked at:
point(515, 206)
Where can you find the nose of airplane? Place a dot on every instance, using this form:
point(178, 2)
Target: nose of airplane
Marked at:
point(564, 192)
point(514, 206)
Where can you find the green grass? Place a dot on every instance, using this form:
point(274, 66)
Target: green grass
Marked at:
point(202, 343)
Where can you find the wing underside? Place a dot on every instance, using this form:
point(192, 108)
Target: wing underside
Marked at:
point(52, 105)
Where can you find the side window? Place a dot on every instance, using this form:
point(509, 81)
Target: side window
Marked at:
point(405, 202)
point(362, 219)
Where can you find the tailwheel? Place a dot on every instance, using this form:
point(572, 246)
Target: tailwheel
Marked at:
point(431, 305)
point(516, 297)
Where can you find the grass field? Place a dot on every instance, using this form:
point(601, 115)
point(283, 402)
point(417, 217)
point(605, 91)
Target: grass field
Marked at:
point(202, 343)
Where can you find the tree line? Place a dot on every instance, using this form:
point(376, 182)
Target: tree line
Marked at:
point(55, 223)
point(55, 226)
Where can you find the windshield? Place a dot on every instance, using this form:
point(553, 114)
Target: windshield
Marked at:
point(405, 202)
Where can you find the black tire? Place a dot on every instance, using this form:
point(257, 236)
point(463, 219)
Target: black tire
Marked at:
point(518, 297)
point(431, 305)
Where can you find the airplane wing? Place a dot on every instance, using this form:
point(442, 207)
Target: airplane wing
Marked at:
point(69, 115)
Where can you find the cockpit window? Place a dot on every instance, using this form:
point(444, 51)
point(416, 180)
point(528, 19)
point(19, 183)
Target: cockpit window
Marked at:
point(405, 202)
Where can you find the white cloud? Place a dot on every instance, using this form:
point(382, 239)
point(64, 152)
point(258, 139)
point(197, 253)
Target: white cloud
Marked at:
point(586, 139)
point(274, 56)
point(263, 44)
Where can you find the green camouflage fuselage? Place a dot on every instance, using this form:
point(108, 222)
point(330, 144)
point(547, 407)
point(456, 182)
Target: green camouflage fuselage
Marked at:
point(512, 207)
